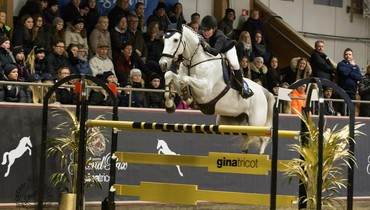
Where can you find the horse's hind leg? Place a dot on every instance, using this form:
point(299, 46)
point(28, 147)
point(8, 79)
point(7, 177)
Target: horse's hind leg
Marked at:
point(9, 165)
point(263, 144)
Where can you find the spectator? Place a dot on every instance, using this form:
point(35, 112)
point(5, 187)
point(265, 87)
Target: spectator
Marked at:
point(275, 88)
point(100, 34)
point(244, 66)
point(139, 12)
point(101, 63)
point(41, 33)
point(20, 62)
point(51, 12)
point(36, 61)
point(92, 16)
point(258, 71)
point(299, 69)
point(137, 97)
point(328, 105)
point(56, 59)
point(83, 65)
point(64, 95)
point(121, 9)
point(5, 30)
point(154, 99)
point(24, 35)
point(12, 93)
point(76, 33)
point(260, 48)
point(321, 64)
point(100, 96)
point(57, 32)
point(195, 26)
point(48, 79)
point(72, 51)
point(226, 24)
point(364, 91)
point(155, 48)
point(35, 91)
point(31, 7)
point(159, 15)
point(274, 74)
point(348, 75)
point(136, 37)
point(244, 46)
point(176, 14)
point(6, 56)
point(73, 11)
point(300, 99)
point(254, 24)
point(118, 36)
point(195, 18)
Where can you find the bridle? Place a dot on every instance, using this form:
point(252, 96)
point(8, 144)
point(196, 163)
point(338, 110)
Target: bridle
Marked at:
point(168, 34)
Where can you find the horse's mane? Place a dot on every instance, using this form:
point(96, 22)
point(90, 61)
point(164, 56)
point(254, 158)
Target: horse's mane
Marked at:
point(191, 29)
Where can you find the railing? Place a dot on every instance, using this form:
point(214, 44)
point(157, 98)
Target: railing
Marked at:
point(161, 91)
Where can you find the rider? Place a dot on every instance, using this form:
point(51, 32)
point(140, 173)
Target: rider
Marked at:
point(216, 42)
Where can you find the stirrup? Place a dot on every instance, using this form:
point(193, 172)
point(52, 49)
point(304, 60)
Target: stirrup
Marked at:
point(246, 93)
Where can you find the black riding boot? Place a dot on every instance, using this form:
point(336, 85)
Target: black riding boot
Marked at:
point(244, 92)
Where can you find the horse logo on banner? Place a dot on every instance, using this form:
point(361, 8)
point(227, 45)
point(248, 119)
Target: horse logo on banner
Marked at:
point(9, 157)
point(163, 148)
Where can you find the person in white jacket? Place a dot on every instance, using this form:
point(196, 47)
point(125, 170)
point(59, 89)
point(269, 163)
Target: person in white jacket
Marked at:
point(100, 63)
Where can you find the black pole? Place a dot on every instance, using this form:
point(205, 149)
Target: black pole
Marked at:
point(275, 141)
point(350, 161)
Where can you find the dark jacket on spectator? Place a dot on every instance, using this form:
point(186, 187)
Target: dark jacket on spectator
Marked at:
point(154, 99)
point(321, 66)
point(348, 76)
point(64, 95)
point(54, 62)
point(117, 39)
point(6, 57)
point(13, 93)
point(364, 91)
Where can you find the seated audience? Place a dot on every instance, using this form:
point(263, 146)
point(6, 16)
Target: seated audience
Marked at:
point(300, 99)
point(20, 62)
point(100, 34)
point(226, 24)
point(56, 59)
point(299, 69)
point(154, 99)
point(258, 71)
point(36, 61)
point(100, 63)
point(12, 93)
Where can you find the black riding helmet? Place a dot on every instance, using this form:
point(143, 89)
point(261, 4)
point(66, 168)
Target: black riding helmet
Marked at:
point(208, 22)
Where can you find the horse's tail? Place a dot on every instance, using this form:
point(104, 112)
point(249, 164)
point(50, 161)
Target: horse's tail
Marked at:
point(270, 106)
point(5, 158)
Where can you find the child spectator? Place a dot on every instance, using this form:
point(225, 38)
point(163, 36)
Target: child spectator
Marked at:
point(100, 96)
point(244, 66)
point(12, 93)
point(154, 99)
point(20, 62)
point(273, 74)
point(6, 56)
point(300, 94)
point(36, 61)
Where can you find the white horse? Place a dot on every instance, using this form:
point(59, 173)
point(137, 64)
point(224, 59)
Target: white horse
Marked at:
point(163, 148)
point(203, 73)
point(24, 145)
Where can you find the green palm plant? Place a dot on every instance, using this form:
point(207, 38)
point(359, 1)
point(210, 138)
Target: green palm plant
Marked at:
point(335, 158)
point(66, 146)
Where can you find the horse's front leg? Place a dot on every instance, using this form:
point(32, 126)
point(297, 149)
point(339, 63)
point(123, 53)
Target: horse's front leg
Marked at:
point(29, 151)
point(171, 83)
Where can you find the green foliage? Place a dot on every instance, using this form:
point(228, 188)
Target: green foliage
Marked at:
point(335, 159)
point(65, 148)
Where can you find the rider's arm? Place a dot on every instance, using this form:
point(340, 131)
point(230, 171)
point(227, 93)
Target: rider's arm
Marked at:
point(217, 48)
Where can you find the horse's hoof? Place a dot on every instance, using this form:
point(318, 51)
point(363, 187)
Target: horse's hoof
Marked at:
point(171, 109)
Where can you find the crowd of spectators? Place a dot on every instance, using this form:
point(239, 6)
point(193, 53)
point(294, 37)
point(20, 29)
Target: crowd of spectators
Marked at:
point(46, 45)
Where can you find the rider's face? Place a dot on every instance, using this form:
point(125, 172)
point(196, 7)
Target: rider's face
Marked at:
point(208, 33)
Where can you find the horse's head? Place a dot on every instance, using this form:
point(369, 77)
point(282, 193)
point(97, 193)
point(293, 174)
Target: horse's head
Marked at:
point(173, 47)
point(160, 143)
point(26, 141)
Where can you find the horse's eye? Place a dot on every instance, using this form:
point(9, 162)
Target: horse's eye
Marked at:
point(176, 40)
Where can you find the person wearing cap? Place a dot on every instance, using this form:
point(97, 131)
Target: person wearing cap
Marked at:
point(36, 61)
point(5, 54)
point(100, 34)
point(5, 30)
point(226, 24)
point(154, 99)
point(76, 33)
point(258, 70)
point(12, 93)
point(24, 34)
point(20, 62)
point(214, 42)
point(51, 12)
point(101, 63)
point(159, 15)
point(121, 8)
point(100, 96)
point(137, 97)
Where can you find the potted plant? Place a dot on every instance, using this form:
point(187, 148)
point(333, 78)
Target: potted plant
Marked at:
point(335, 155)
point(66, 148)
